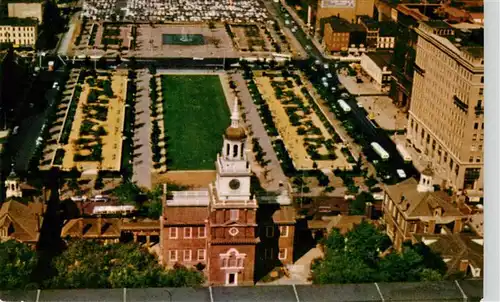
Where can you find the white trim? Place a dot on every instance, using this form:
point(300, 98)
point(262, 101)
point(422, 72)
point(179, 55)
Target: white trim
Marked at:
point(235, 279)
point(279, 253)
point(230, 251)
point(190, 232)
point(285, 233)
point(461, 290)
point(170, 233)
point(176, 256)
point(204, 232)
point(204, 254)
point(211, 294)
point(190, 255)
point(124, 294)
point(379, 292)
point(234, 215)
point(296, 293)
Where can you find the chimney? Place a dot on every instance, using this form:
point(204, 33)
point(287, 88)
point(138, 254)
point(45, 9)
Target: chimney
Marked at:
point(369, 210)
point(38, 223)
point(99, 225)
point(80, 225)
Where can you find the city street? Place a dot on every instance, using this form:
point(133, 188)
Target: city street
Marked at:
point(275, 174)
point(142, 153)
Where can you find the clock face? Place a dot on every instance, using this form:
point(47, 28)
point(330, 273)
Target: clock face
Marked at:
point(234, 184)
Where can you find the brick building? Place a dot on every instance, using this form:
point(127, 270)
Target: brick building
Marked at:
point(412, 207)
point(223, 230)
point(340, 35)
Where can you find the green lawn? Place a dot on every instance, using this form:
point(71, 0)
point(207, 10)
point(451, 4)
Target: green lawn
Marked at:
point(196, 116)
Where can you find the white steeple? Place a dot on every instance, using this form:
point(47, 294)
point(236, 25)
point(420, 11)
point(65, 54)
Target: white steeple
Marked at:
point(235, 115)
point(426, 182)
point(12, 185)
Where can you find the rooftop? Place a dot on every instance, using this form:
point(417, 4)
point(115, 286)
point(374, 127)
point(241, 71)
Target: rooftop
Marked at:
point(418, 204)
point(437, 24)
point(188, 198)
point(388, 29)
point(342, 25)
point(18, 22)
point(381, 58)
point(369, 22)
point(455, 248)
point(24, 220)
point(25, 1)
point(462, 290)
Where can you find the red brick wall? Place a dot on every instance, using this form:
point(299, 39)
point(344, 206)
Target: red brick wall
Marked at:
point(287, 243)
point(181, 244)
point(217, 275)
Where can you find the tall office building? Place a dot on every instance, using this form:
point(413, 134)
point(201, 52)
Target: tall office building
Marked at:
point(446, 114)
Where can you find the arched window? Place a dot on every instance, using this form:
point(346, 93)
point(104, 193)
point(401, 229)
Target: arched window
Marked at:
point(235, 150)
point(228, 149)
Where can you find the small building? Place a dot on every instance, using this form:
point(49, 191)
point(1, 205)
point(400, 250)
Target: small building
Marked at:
point(107, 230)
point(462, 253)
point(377, 66)
point(21, 222)
point(341, 36)
point(388, 31)
point(412, 207)
point(26, 9)
point(19, 32)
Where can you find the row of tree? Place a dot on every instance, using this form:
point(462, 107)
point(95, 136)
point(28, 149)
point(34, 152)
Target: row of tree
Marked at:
point(88, 264)
point(362, 255)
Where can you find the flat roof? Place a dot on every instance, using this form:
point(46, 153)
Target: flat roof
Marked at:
point(470, 290)
point(342, 25)
point(437, 24)
point(18, 21)
point(25, 1)
point(382, 59)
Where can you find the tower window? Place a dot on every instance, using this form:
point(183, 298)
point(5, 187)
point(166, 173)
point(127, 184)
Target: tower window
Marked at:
point(235, 150)
point(234, 214)
point(228, 149)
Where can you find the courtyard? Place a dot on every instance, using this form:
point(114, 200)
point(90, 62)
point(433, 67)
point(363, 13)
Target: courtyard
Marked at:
point(307, 139)
point(90, 138)
point(195, 116)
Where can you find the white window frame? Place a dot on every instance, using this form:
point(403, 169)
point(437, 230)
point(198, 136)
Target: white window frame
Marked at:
point(284, 231)
point(187, 252)
point(173, 252)
point(203, 253)
point(285, 252)
point(234, 215)
point(204, 229)
point(267, 231)
point(170, 233)
point(190, 232)
point(235, 279)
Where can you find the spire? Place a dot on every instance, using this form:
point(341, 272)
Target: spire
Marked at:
point(235, 115)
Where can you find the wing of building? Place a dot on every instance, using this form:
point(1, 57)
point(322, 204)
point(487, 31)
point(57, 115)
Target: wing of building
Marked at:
point(223, 230)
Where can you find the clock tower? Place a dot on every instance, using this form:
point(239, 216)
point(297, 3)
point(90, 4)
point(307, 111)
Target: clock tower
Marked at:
point(232, 216)
point(233, 169)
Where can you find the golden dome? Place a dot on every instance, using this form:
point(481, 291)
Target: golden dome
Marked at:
point(235, 133)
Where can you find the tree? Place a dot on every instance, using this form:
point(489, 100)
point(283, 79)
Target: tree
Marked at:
point(358, 205)
point(17, 261)
point(356, 257)
point(88, 264)
point(127, 192)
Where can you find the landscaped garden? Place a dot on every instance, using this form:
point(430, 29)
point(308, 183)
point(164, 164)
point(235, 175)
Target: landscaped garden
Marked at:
point(111, 36)
point(195, 116)
point(95, 125)
point(304, 130)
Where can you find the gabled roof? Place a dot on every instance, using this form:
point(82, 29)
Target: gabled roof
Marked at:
point(23, 219)
point(455, 248)
point(89, 228)
point(414, 204)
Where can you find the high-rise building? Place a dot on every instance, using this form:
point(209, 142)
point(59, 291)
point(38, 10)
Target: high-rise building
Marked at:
point(446, 114)
point(221, 229)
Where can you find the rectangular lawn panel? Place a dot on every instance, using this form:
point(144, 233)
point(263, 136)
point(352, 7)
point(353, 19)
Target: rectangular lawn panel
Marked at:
point(195, 116)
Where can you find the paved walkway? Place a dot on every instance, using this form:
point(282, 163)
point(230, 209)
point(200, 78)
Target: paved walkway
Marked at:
point(67, 36)
point(275, 174)
point(142, 155)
